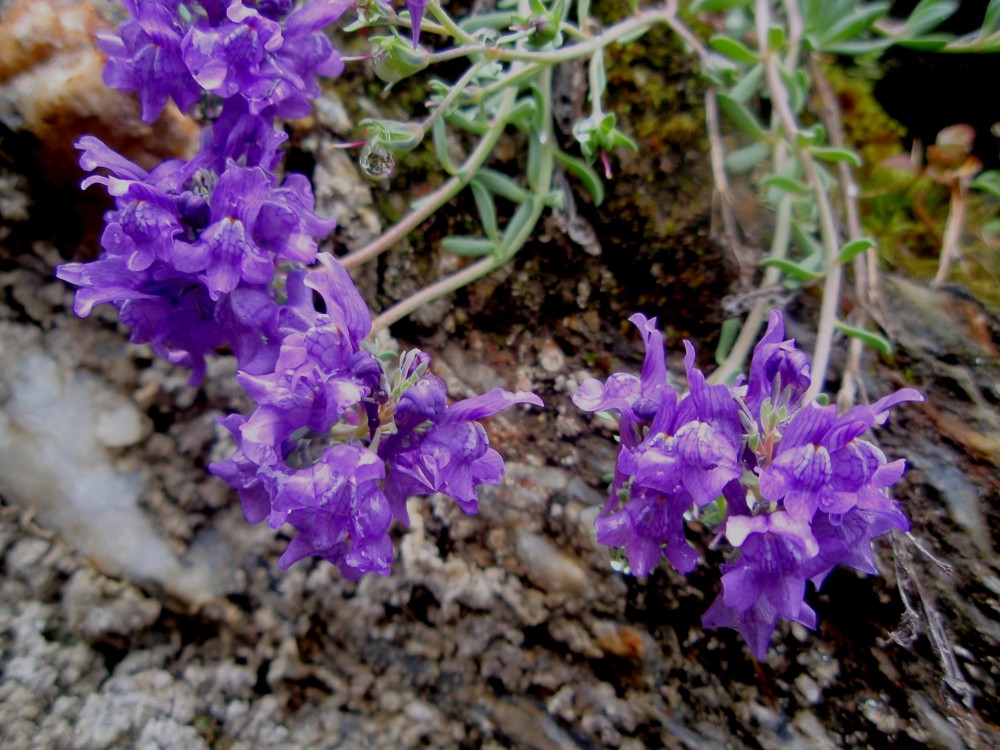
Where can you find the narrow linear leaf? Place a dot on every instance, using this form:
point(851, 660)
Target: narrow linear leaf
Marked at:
point(793, 270)
point(733, 49)
point(713, 6)
point(874, 340)
point(466, 123)
point(857, 47)
point(487, 211)
point(744, 159)
point(518, 223)
point(988, 182)
point(439, 134)
point(829, 153)
point(727, 336)
point(805, 240)
point(748, 85)
point(468, 247)
point(775, 38)
point(740, 114)
point(584, 173)
point(991, 21)
point(854, 247)
point(928, 15)
point(928, 43)
point(500, 184)
point(786, 183)
point(852, 24)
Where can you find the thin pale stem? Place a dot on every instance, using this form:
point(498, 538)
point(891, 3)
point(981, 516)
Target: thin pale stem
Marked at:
point(950, 243)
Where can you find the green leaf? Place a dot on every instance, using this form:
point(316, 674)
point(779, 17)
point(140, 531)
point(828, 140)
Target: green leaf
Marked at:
point(851, 24)
point(487, 211)
point(928, 43)
point(468, 247)
point(991, 21)
point(874, 340)
point(713, 6)
point(727, 336)
point(775, 38)
point(805, 239)
point(600, 78)
point(522, 116)
point(858, 47)
point(786, 183)
point(502, 185)
point(733, 49)
point(988, 182)
point(748, 85)
point(744, 159)
point(585, 173)
point(439, 133)
point(794, 270)
point(828, 153)
point(741, 115)
point(854, 247)
point(517, 224)
point(798, 87)
point(460, 120)
point(928, 15)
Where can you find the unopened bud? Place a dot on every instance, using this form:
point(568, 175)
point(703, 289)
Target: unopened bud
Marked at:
point(396, 59)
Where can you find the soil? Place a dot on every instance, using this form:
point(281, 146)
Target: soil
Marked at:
point(508, 629)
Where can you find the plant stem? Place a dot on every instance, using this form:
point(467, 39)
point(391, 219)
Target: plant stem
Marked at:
point(448, 190)
point(486, 265)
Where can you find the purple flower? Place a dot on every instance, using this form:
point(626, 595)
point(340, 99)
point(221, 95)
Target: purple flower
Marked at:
point(168, 310)
point(339, 510)
point(443, 449)
point(778, 370)
point(269, 63)
point(416, 8)
point(766, 582)
point(649, 526)
point(145, 57)
point(847, 540)
point(225, 249)
point(821, 464)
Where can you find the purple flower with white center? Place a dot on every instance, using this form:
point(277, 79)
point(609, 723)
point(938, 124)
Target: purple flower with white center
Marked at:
point(443, 449)
point(145, 57)
point(767, 581)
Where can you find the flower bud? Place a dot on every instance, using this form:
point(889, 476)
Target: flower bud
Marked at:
point(396, 59)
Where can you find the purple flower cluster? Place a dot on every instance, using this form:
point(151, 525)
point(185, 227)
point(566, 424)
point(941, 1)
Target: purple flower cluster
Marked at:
point(801, 490)
point(219, 252)
point(267, 52)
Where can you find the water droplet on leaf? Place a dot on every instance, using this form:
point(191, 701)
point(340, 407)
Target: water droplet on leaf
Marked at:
point(376, 161)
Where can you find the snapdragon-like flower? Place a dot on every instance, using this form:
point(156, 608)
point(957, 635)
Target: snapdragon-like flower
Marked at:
point(675, 454)
point(266, 53)
point(793, 486)
point(335, 451)
point(191, 247)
